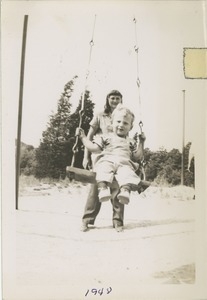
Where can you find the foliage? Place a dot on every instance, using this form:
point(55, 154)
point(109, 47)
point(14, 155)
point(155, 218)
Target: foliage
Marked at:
point(27, 159)
point(55, 150)
point(162, 166)
point(74, 123)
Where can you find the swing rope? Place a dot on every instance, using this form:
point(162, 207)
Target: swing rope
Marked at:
point(81, 111)
point(136, 48)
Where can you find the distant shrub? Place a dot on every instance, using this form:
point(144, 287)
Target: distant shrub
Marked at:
point(27, 160)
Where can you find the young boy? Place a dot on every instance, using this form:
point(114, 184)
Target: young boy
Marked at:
point(117, 156)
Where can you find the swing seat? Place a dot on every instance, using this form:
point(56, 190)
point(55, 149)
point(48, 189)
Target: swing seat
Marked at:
point(81, 175)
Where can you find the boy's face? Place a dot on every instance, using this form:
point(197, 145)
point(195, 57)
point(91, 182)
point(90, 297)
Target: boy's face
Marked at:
point(122, 124)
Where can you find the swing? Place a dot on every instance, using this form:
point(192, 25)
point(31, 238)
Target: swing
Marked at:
point(88, 176)
point(73, 173)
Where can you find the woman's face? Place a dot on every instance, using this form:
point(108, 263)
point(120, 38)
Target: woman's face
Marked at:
point(114, 100)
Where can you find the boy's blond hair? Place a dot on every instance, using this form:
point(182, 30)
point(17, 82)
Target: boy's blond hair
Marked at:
point(125, 110)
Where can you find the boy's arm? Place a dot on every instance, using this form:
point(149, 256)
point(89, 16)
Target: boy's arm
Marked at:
point(90, 145)
point(86, 142)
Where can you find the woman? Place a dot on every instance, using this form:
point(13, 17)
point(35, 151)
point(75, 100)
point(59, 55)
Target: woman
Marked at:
point(101, 124)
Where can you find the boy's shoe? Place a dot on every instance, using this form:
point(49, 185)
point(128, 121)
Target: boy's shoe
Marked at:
point(104, 194)
point(123, 196)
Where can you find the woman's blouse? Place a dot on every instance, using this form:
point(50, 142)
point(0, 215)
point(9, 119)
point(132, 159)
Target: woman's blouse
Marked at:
point(101, 123)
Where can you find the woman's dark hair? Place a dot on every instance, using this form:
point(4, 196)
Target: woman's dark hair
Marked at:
point(107, 108)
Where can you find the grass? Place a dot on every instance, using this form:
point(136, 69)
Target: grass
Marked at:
point(32, 181)
point(28, 181)
point(164, 190)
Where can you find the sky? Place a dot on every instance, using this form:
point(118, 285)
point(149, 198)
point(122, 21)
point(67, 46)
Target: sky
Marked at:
point(57, 49)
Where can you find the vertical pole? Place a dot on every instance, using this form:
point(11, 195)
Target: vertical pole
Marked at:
point(183, 142)
point(18, 145)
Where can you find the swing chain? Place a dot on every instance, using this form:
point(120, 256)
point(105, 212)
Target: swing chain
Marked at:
point(138, 82)
point(136, 48)
point(91, 43)
point(140, 126)
point(81, 111)
point(75, 146)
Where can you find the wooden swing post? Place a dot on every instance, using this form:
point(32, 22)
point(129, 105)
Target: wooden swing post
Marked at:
point(18, 145)
point(183, 143)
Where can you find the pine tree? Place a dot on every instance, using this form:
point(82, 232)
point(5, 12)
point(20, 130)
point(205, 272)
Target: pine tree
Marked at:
point(56, 148)
point(51, 152)
point(74, 123)
point(27, 159)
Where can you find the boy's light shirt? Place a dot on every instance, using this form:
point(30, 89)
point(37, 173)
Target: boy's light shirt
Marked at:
point(115, 147)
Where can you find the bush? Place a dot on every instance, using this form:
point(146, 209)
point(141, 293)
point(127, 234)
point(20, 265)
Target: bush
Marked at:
point(27, 160)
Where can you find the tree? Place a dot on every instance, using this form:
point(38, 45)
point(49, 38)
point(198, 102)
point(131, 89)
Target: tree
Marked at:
point(165, 167)
point(189, 176)
point(55, 150)
point(155, 162)
point(27, 159)
point(50, 154)
point(74, 123)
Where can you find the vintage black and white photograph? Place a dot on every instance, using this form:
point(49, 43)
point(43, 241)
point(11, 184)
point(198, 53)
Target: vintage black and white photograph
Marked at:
point(83, 215)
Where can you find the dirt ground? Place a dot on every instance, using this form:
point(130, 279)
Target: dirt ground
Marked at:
point(157, 246)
